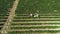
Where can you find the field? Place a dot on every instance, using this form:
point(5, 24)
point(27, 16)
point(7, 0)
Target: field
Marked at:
point(48, 21)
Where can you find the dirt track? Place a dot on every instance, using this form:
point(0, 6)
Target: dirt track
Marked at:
point(11, 16)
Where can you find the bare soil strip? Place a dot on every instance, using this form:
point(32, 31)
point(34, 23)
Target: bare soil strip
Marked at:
point(11, 16)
